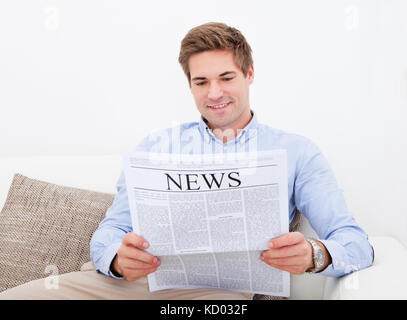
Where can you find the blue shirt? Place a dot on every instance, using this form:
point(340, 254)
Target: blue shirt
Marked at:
point(312, 189)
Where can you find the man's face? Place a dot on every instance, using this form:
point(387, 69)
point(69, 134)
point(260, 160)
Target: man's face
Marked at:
point(220, 89)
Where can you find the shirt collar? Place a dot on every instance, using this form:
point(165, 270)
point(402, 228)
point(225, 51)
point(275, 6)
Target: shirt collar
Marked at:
point(245, 134)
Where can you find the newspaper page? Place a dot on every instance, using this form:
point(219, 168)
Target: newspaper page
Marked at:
point(208, 219)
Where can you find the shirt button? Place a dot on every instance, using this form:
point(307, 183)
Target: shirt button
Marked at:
point(342, 264)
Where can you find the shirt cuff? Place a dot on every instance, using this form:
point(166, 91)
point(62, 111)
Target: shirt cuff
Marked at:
point(340, 264)
point(108, 257)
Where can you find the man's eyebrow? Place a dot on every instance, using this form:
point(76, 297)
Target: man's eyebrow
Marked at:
point(227, 72)
point(198, 78)
point(221, 75)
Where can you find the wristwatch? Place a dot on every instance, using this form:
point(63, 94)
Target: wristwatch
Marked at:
point(317, 255)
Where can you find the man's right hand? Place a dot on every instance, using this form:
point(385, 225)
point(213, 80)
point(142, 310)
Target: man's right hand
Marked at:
point(131, 262)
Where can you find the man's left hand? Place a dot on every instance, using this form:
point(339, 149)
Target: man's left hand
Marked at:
point(290, 252)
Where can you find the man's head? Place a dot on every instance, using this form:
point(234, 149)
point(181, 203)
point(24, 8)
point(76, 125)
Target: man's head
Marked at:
point(215, 36)
point(218, 64)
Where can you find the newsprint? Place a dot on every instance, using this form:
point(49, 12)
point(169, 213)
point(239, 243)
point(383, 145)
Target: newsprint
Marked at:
point(208, 218)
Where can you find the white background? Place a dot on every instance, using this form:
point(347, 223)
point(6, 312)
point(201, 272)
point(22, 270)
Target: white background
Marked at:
point(93, 77)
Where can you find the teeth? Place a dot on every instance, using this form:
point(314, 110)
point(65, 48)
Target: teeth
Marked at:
point(218, 106)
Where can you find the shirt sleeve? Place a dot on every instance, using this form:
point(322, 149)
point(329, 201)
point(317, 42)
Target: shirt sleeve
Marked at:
point(107, 238)
point(321, 201)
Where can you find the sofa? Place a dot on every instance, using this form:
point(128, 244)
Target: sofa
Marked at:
point(48, 246)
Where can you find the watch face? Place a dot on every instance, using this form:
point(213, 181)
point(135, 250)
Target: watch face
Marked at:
point(319, 258)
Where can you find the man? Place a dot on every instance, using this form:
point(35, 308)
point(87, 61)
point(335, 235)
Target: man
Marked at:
point(218, 64)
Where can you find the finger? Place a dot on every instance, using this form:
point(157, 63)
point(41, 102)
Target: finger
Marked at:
point(287, 239)
point(137, 264)
point(298, 249)
point(298, 261)
point(139, 255)
point(135, 240)
point(287, 261)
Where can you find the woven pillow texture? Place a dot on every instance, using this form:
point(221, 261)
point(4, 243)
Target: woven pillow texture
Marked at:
point(45, 227)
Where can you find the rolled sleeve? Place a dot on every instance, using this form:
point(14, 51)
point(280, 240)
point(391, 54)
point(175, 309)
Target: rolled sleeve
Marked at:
point(107, 258)
point(340, 264)
point(347, 259)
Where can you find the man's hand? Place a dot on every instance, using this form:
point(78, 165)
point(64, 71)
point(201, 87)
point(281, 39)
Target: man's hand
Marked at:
point(131, 261)
point(290, 252)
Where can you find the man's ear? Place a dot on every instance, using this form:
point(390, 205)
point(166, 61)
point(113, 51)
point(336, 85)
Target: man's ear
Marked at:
point(250, 74)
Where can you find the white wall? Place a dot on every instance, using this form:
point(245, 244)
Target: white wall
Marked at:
point(92, 77)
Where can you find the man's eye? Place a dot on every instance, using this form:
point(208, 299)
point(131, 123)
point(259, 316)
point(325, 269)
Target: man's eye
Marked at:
point(227, 79)
point(200, 83)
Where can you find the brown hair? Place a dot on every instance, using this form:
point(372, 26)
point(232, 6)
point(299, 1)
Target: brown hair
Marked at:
point(215, 36)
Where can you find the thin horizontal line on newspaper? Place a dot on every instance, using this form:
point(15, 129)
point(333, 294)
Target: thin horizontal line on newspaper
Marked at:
point(269, 165)
point(259, 185)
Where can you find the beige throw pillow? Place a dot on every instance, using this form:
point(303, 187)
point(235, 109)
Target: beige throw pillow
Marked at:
point(46, 229)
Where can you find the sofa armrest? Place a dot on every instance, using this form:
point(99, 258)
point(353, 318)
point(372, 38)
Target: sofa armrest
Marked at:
point(385, 279)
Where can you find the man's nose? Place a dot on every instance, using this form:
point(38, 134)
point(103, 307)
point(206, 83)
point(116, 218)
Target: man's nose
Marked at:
point(215, 91)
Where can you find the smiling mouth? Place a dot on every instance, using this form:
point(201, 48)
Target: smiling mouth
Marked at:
point(219, 106)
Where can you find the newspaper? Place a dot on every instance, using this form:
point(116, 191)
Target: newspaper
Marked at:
point(209, 218)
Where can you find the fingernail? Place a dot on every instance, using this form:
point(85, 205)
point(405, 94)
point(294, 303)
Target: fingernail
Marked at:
point(155, 260)
point(270, 244)
point(145, 244)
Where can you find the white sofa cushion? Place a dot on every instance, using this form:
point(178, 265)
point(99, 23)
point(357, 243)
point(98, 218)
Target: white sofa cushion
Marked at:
point(385, 279)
